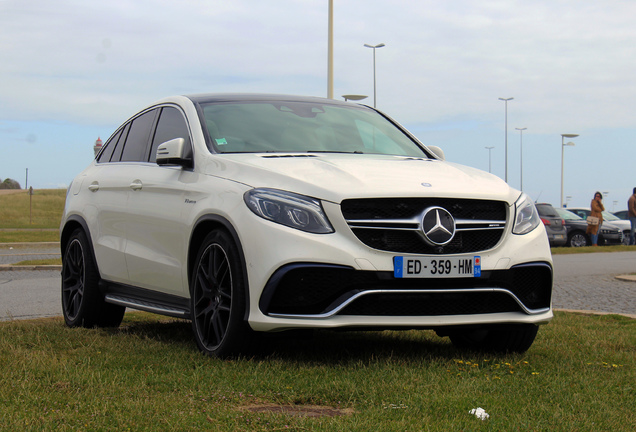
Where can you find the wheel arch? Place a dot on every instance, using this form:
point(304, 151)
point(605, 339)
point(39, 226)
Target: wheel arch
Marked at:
point(204, 225)
point(72, 223)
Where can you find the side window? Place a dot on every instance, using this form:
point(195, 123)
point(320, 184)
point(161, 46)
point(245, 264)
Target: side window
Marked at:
point(137, 140)
point(171, 125)
point(109, 147)
point(120, 144)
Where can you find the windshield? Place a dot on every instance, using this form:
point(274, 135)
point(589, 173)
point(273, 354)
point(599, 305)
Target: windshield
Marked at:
point(255, 127)
point(610, 217)
point(568, 215)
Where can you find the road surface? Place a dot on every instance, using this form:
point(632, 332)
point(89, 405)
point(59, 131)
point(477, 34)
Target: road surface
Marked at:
point(581, 282)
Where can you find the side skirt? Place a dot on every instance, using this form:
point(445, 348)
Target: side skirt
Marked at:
point(145, 300)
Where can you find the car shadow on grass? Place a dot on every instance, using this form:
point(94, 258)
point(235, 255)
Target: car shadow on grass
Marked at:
point(313, 346)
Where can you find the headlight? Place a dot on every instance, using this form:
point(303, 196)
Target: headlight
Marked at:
point(289, 209)
point(526, 216)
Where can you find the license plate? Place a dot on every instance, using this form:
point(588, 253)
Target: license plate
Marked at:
point(427, 267)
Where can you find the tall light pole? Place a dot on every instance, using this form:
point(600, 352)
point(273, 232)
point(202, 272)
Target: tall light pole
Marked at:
point(489, 164)
point(330, 53)
point(563, 144)
point(521, 154)
point(380, 45)
point(506, 102)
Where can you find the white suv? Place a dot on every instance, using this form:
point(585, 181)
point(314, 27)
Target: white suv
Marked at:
point(261, 213)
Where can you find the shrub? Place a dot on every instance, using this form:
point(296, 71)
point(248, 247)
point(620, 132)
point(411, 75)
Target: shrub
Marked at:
point(10, 184)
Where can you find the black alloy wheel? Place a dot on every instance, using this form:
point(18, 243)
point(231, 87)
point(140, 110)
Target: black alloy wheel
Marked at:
point(82, 303)
point(218, 298)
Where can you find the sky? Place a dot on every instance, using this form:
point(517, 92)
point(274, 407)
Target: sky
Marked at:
point(72, 71)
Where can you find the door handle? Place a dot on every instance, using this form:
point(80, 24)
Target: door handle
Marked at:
point(93, 187)
point(136, 185)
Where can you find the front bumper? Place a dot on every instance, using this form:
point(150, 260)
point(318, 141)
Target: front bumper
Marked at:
point(334, 281)
point(314, 291)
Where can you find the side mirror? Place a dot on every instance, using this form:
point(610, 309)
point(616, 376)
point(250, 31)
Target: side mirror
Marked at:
point(437, 152)
point(174, 152)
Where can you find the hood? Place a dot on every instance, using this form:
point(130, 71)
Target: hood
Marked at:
point(335, 177)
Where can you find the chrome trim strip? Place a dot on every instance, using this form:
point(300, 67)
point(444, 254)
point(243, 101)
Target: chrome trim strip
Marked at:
point(401, 224)
point(148, 307)
point(351, 299)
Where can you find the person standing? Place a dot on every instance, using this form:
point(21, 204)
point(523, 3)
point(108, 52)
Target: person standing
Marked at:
point(597, 209)
point(631, 214)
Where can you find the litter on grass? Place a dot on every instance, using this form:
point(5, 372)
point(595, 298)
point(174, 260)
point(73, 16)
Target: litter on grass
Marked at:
point(480, 413)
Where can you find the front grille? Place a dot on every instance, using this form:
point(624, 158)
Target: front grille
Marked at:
point(411, 242)
point(405, 208)
point(393, 224)
point(314, 290)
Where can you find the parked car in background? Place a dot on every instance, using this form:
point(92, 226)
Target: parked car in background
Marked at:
point(576, 226)
point(264, 213)
point(554, 224)
point(621, 214)
point(608, 231)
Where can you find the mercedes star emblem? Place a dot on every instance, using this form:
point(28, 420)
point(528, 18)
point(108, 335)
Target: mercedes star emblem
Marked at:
point(438, 226)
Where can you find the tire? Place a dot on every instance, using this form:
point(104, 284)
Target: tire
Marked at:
point(514, 338)
point(578, 239)
point(626, 237)
point(83, 304)
point(218, 298)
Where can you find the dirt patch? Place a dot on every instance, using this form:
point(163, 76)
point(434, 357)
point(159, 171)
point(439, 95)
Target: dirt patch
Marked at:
point(299, 410)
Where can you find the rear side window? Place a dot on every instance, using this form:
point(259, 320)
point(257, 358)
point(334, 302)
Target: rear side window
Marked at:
point(138, 137)
point(120, 144)
point(171, 125)
point(109, 148)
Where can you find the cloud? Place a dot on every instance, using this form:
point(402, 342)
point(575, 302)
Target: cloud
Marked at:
point(442, 60)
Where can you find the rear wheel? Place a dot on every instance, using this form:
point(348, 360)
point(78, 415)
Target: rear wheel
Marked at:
point(506, 338)
point(218, 299)
point(577, 239)
point(82, 303)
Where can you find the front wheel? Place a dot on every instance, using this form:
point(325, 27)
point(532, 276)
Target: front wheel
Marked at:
point(578, 239)
point(218, 298)
point(83, 304)
point(515, 338)
point(626, 237)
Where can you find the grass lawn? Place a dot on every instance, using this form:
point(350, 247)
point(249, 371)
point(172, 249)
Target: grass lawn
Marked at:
point(147, 375)
point(41, 210)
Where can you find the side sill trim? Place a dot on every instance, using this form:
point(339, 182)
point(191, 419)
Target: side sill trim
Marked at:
point(146, 306)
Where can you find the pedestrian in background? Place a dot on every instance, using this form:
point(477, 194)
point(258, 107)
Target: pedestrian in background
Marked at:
point(631, 214)
point(595, 220)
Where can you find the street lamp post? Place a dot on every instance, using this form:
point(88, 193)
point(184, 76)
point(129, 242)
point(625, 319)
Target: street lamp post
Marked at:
point(506, 102)
point(330, 52)
point(521, 156)
point(489, 160)
point(380, 45)
point(563, 144)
